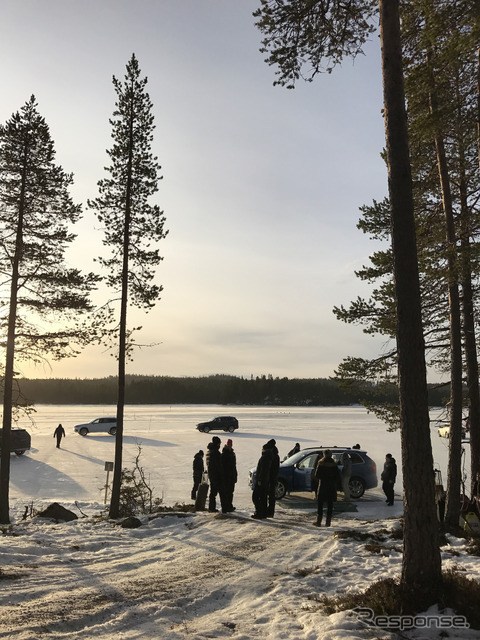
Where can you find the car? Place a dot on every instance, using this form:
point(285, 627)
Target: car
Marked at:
point(20, 441)
point(444, 432)
point(99, 425)
point(296, 473)
point(225, 423)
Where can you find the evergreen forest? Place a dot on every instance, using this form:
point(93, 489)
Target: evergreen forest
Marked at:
point(214, 389)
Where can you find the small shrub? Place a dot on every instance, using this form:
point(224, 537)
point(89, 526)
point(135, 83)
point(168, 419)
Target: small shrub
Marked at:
point(388, 597)
point(136, 495)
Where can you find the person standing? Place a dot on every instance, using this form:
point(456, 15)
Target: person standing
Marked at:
point(329, 478)
point(262, 479)
point(272, 482)
point(346, 474)
point(388, 477)
point(59, 433)
point(215, 474)
point(198, 469)
point(229, 463)
point(293, 451)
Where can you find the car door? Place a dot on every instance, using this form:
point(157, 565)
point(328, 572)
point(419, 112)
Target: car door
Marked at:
point(302, 475)
point(95, 426)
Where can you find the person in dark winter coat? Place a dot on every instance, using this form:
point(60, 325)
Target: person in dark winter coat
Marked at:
point(229, 462)
point(272, 482)
point(329, 478)
point(215, 474)
point(198, 469)
point(388, 477)
point(262, 480)
point(293, 451)
point(59, 433)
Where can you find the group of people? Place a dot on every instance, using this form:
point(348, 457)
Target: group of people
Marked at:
point(221, 467)
point(327, 476)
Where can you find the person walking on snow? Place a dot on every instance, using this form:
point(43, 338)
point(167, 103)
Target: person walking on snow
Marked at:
point(59, 433)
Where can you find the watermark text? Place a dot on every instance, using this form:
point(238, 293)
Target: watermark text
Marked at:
point(402, 622)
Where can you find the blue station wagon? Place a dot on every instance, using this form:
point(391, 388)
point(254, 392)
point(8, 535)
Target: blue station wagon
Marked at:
point(296, 473)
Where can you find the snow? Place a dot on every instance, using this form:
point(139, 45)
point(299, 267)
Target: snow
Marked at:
point(197, 575)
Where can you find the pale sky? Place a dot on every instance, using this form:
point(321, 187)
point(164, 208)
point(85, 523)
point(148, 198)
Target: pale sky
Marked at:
point(261, 186)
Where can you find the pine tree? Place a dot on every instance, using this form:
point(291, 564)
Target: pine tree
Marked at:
point(439, 45)
point(36, 212)
point(132, 226)
point(318, 34)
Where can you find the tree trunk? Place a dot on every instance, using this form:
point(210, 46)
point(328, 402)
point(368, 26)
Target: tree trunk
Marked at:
point(471, 362)
point(122, 340)
point(469, 329)
point(10, 360)
point(478, 104)
point(421, 569)
point(452, 511)
point(468, 306)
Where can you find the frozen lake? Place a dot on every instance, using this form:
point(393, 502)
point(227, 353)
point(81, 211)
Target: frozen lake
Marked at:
point(169, 439)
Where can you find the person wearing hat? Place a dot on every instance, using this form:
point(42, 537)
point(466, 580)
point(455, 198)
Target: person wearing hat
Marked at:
point(198, 469)
point(329, 479)
point(272, 482)
point(388, 478)
point(229, 463)
point(215, 474)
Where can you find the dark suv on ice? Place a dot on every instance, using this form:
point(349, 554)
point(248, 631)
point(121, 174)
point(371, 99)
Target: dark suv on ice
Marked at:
point(20, 441)
point(296, 473)
point(225, 423)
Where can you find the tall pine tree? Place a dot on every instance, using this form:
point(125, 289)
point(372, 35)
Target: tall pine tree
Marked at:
point(298, 33)
point(132, 226)
point(36, 212)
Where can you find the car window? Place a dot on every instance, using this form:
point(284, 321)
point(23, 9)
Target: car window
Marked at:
point(356, 458)
point(308, 462)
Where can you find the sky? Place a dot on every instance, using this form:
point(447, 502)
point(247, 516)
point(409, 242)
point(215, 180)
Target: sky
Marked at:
point(261, 185)
point(191, 576)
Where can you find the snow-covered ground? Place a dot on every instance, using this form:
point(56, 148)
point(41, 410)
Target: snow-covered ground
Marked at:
point(197, 575)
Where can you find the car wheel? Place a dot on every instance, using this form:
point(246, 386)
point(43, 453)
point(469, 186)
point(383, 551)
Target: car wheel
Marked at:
point(206, 429)
point(357, 488)
point(19, 453)
point(280, 490)
point(231, 429)
point(113, 431)
point(83, 431)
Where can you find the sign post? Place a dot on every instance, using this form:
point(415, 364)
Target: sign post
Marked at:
point(108, 468)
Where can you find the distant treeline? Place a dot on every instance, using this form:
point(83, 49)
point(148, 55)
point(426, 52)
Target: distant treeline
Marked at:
point(215, 389)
